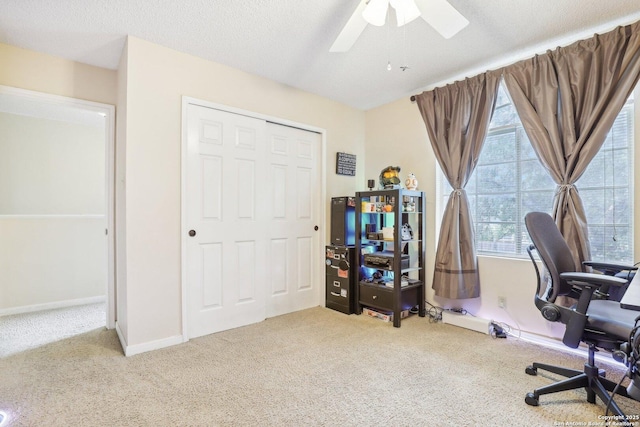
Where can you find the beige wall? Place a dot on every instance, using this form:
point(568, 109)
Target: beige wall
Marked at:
point(50, 167)
point(148, 87)
point(156, 79)
point(396, 134)
point(31, 70)
point(48, 262)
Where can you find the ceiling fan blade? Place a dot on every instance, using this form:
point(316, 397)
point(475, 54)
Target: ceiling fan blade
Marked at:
point(376, 12)
point(351, 31)
point(443, 17)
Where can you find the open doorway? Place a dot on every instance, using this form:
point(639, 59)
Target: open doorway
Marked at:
point(56, 208)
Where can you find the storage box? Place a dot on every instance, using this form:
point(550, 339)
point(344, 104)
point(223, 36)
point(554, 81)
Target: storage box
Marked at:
point(384, 316)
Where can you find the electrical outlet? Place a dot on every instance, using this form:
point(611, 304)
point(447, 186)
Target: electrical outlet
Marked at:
point(502, 302)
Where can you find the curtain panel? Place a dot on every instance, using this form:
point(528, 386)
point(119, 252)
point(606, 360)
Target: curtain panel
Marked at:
point(567, 100)
point(457, 119)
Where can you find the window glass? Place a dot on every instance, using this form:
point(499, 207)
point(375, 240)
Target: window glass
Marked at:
point(510, 181)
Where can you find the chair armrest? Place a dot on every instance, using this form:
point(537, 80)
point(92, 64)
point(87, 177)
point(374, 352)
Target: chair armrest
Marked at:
point(608, 268)
point(589, 283)
point(590, 279)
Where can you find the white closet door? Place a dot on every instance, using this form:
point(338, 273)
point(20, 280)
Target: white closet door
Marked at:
point(227, 214)
point(253, 200)
point(295, 194)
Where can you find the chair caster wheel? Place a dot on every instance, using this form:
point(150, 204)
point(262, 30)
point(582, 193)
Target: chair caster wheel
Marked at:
point(530, 370)
point(531, 399)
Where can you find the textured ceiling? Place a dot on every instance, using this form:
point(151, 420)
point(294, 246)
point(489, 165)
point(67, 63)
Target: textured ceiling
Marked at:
point(288, 40)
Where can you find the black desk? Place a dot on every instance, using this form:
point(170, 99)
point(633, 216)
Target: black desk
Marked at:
point(631, 298)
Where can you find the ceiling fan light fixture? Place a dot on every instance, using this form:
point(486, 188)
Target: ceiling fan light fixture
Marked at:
point(406, 11)
point(376, 12)
point(443, 17)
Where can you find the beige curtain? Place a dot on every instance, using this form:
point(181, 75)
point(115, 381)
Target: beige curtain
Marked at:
point(457, 118)
point(568, 100)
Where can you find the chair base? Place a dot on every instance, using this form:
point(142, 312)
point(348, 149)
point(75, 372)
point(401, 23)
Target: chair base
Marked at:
point(591, 379)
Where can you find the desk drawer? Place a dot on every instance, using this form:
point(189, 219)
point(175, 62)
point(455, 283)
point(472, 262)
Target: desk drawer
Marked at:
point(376, 296)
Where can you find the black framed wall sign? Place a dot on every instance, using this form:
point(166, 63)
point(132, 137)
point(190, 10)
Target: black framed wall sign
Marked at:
point(346, 164)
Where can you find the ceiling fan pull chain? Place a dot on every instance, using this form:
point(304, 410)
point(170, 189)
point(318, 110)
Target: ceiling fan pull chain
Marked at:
point(388, 42)
point(404, 67)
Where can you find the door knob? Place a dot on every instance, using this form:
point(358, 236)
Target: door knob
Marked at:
point(315, 228)
point(192, 233)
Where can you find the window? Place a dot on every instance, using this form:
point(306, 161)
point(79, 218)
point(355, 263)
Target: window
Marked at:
point(509, 181)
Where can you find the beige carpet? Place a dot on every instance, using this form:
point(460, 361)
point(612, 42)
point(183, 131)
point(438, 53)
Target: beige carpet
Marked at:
point(22, 332)
point(316, 367)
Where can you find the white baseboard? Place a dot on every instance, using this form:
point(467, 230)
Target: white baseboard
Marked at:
point(555, 344)
point(482, 325)
point(51, 305)
point(132, 350)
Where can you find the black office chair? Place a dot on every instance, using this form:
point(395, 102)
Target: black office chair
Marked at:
point(599, 323)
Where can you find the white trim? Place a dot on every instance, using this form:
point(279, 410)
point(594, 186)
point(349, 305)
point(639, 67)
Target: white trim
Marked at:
point(53, 216)
point(322, 289)
point(272, 119)
point(123, 342)
point(110, 194)
point(554, 344)
point(186, 100)
point(108, 111)
point(132, 350)
point(51, 305)
point(183, 216)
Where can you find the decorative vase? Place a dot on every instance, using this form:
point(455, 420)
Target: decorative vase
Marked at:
point(411, 182)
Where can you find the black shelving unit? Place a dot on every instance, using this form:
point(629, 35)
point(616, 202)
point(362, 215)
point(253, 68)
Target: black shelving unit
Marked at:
point(390, 263)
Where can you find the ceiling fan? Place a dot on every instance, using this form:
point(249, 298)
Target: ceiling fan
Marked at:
point(443, 17)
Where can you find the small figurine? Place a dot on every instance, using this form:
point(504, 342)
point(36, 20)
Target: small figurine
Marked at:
point(411, 182)
point(390, 177)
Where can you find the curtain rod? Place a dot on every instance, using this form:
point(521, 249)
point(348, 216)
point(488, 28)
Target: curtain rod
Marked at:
point(413, 98)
